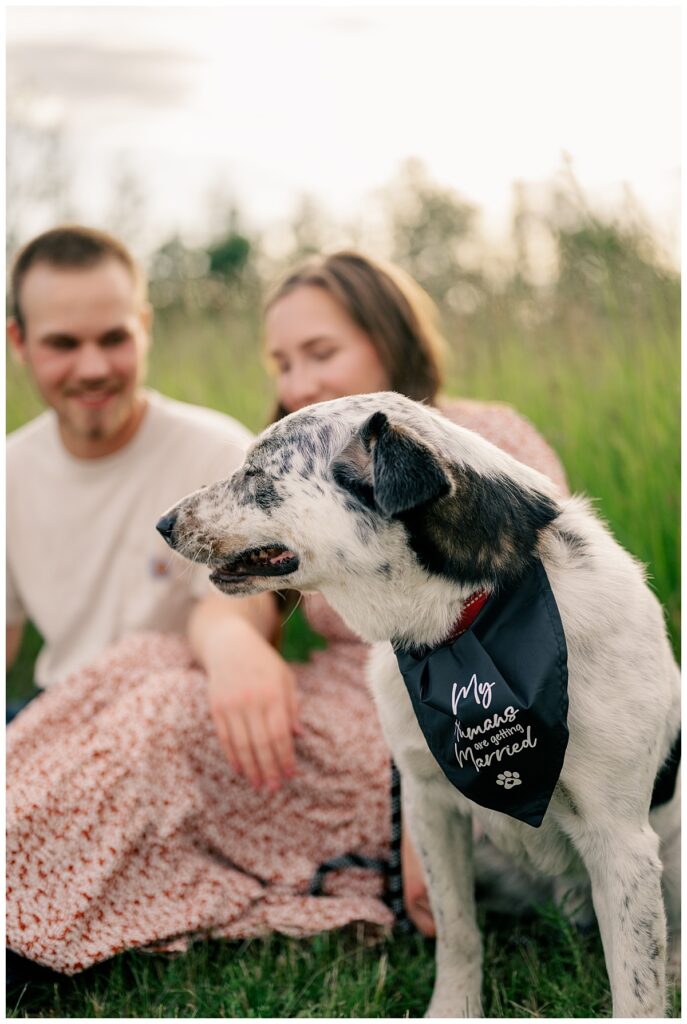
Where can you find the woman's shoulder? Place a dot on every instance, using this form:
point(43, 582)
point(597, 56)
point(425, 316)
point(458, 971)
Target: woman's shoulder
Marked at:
point(509, 430)
point(484, 417)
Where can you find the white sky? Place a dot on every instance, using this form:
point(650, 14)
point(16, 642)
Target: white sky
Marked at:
point(274, 102)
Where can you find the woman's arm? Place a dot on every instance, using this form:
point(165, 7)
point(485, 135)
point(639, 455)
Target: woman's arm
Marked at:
point(252, 690)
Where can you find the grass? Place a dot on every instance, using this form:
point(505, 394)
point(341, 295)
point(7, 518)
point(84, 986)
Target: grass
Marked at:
point(539, 968)
point(607, 398)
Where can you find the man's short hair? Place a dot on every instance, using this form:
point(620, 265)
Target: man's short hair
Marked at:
point(69, 246)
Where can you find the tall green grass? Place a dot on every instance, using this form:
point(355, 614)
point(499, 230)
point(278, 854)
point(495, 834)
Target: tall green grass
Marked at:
point(604, 393)
point(610, 406)
point(605, 396)
point(536, 968)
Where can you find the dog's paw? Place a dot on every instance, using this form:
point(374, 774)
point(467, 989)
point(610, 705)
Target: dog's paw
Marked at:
point(462, 1005)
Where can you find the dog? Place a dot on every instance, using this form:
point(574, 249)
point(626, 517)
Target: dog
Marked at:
point(399, 518)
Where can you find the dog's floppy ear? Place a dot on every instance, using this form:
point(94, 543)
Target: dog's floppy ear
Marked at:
point(486, 529)
point(389, 469)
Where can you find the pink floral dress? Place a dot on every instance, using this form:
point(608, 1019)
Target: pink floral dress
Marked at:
point(126, 828)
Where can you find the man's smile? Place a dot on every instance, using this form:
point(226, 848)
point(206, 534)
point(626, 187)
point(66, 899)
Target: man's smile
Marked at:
point(92, 399)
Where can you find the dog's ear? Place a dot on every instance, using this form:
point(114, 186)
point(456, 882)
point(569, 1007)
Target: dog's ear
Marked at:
point(486, 529)
point(389, 469)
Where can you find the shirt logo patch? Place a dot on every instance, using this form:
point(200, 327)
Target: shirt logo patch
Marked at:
point(159, 567)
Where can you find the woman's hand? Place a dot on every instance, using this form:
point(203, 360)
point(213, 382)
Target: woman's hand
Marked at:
point(252, 690)
point(415, 889)
point(254, 706)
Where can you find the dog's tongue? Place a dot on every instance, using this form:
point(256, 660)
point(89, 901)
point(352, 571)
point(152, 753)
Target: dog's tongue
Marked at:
point(283, 557)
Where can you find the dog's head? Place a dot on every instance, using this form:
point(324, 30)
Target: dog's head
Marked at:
point(375, 488)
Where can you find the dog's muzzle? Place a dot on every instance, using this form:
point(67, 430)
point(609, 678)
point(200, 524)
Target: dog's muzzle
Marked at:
point(267, 560)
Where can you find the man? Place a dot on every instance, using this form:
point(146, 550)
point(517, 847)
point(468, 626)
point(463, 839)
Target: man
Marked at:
point(88, 479)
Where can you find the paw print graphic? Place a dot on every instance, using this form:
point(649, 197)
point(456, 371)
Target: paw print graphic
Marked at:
point(508, 779)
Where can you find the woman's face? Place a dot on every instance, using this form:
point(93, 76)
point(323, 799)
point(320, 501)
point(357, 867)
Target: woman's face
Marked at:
point(318, 352)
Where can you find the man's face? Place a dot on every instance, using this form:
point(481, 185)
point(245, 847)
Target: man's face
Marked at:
point(85, 342)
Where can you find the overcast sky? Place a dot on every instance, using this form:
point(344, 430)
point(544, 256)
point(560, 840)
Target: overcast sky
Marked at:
point(270, 103)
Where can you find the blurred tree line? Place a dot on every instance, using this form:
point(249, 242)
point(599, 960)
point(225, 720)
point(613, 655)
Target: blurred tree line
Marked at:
point(569, 265)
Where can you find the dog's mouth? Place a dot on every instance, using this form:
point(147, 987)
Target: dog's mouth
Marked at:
point(274, 560)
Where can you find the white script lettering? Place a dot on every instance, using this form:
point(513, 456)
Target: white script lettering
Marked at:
point(469, 732)
point(481, 693)
point(484, 760)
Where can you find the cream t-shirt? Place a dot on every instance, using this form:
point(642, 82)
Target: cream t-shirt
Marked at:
point(84, 561)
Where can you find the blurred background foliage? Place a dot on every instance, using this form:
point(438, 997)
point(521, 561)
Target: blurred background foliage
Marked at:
point(576, 323)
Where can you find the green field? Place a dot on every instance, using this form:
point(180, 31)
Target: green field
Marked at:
point(607, 399)
point(603, 388)
point(538, 968)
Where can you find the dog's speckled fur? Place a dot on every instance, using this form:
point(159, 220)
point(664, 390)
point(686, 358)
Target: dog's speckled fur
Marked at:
point(397, 516)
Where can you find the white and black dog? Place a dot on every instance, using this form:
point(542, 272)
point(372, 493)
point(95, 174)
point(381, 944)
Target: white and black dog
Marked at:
point(399, 518)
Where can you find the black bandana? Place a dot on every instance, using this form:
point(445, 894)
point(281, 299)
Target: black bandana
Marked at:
point(493, 704)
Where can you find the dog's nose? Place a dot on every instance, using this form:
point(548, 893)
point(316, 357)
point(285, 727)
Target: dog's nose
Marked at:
point(165, 526)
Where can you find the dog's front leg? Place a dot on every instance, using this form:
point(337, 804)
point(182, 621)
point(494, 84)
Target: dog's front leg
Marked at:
point(443, 838)
point(625, 872)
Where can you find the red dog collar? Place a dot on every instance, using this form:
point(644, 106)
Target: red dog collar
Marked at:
point(471, 609)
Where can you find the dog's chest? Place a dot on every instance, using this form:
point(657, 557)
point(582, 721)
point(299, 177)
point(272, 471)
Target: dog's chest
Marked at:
point(544, 850)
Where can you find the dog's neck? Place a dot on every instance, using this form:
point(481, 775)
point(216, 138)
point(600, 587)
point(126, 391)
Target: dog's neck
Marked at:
point(423, 614)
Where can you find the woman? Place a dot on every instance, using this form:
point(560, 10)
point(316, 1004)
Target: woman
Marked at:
point(212, 813)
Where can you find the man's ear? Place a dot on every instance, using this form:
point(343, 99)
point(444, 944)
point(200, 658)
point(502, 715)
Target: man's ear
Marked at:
point(146, 313)
point(145, 316)
point(390, 469)
point(15, 336)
